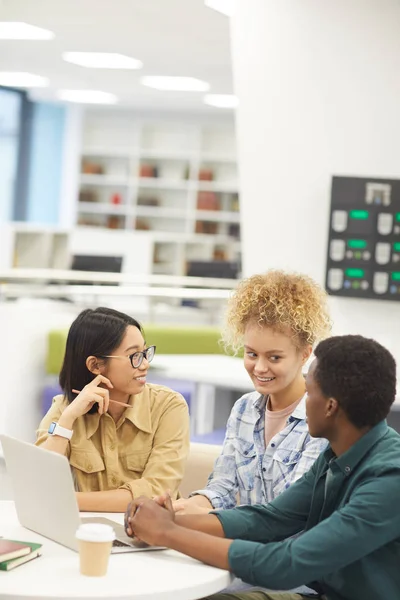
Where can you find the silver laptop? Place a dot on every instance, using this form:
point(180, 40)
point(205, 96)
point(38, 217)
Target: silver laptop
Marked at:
point(45, 498)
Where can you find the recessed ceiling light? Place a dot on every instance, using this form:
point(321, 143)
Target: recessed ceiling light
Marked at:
point(17, 30)
point(87, 96)
point(226, 7)
point(22, 80)
point(102, 60)
point(221, 100)
point(178, 84)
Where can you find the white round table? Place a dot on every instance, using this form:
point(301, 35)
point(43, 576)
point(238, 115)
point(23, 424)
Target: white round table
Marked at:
point(158, 575)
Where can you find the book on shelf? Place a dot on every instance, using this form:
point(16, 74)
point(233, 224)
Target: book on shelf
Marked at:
point(208, 201)
point(115, 222)
point(92, 168)
point(148, 170)
point(208, 227)
point(88, 196)
point(30, 551)
point(206, 174)
point(148, 201)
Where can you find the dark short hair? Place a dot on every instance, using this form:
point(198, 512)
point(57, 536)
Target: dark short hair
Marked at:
point(360, 374)
point(95, 332)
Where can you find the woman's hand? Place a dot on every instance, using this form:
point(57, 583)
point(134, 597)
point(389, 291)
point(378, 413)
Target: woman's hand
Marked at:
point(188, 506)
point(91, 393)
point(164, 501)
point(147, 521)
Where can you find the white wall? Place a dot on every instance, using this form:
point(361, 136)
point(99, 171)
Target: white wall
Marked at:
point(70, 167)
point(319, 91)
point(10, 108)
point(23, 327)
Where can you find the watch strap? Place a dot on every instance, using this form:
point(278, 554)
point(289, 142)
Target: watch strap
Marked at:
point(56, 429)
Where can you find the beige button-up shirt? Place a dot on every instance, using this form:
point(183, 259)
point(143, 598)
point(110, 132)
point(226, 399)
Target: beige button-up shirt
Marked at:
point(144, 452)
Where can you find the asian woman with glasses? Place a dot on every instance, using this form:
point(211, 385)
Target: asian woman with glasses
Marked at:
point(123, 436)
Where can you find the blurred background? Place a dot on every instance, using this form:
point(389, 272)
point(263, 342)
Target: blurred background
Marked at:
point(153, 152)
point(118, 116)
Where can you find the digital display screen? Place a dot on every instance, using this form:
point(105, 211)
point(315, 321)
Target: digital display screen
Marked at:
point(358, 244)
point(361, 215)
point(363, 249)
point(355, 273)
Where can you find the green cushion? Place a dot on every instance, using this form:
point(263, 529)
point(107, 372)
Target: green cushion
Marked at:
point(169, 339)
point(55, 350)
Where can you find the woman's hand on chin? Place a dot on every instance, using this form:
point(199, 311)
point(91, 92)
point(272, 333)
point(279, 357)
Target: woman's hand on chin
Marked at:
point(88, 396)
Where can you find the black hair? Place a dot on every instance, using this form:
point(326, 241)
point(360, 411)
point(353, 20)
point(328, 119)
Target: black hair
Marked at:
point(95, 332)
point(360, 374)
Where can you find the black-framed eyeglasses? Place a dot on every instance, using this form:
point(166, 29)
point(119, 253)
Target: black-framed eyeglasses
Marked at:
point(137, 357)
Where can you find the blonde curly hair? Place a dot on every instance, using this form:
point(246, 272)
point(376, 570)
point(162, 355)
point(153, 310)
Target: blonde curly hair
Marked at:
point(279, 300)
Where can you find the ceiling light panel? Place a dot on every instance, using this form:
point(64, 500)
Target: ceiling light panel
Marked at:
point(17, 30)
point(22, 80)
point(177, 84)
point(102, 60)
point(221, 100)
point(87, 96)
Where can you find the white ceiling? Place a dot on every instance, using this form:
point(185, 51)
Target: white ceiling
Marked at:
point(171, 37)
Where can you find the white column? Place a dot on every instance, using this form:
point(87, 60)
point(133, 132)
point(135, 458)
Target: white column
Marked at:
point(71, 167)
point(319, 92)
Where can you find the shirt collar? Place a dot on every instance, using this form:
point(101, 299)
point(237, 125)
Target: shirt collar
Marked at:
point(92, 424)
point(299, 412)
point(354, 455)
point(139, 414)
point(259, 402)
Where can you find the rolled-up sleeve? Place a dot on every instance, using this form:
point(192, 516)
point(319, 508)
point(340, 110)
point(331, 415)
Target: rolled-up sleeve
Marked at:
point(222, 486)
point(53, 414)
point(281, 518)
point(166, 463)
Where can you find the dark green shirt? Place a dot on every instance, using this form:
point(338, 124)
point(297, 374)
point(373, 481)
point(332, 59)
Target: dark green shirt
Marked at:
point(350, 524)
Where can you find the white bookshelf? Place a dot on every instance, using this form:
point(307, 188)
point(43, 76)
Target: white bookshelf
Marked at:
point(142, 173)
point(26, 245)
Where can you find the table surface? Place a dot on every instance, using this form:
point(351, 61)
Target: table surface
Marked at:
point(214, 369)
point(158, 575)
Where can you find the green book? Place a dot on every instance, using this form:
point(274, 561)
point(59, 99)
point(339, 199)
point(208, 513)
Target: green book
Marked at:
point(8, 565)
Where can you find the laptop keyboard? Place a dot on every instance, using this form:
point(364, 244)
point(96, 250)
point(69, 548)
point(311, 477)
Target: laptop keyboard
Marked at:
point(119, 543)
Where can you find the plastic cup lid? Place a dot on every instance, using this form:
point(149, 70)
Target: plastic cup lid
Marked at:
point(95, 532)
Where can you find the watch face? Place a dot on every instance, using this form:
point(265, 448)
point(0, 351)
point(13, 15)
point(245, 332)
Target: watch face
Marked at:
point(52, 427)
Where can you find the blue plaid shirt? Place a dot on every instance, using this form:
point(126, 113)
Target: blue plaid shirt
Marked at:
point(249, 472)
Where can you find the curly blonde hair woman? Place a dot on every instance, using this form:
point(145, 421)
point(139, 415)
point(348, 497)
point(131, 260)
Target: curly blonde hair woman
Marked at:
point(276, 318)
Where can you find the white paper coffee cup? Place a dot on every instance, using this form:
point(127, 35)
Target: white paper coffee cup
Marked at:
point(95, 542)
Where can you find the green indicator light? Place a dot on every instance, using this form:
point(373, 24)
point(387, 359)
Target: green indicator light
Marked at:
point(360, 244)
point(396, 246)
point(397, 216)
point(355, 273)
point(361, 215)
point(396, 276)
